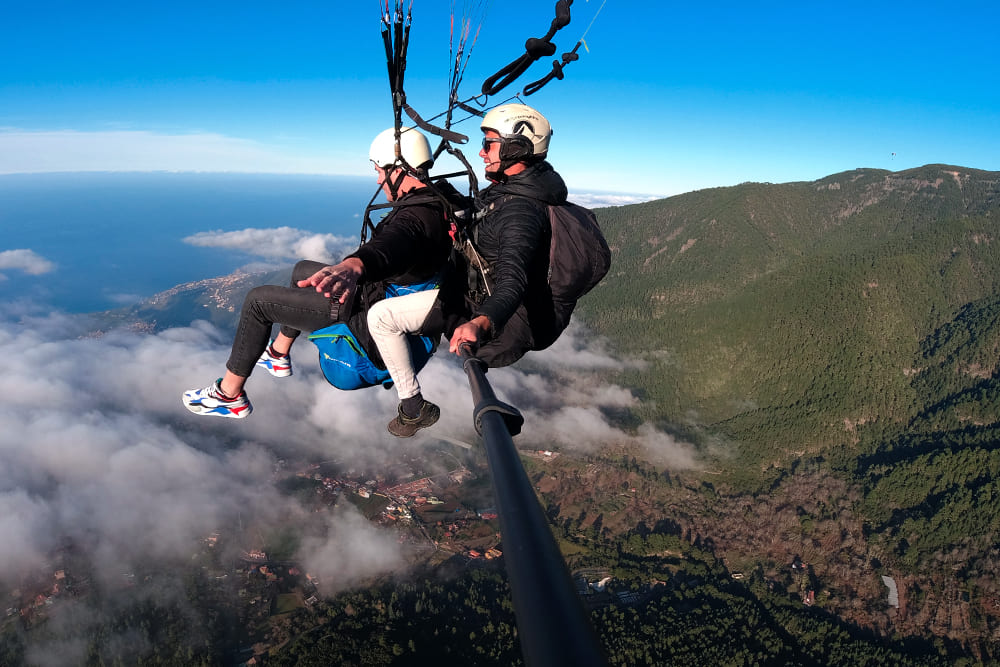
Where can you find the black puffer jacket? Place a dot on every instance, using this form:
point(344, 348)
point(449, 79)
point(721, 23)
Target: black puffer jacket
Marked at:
point(513, 238)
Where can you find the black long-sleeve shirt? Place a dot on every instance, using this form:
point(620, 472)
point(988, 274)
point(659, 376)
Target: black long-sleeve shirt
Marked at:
point(410, 245)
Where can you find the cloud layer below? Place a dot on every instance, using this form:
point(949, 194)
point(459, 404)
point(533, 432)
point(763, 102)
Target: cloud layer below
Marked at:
point(99, 451)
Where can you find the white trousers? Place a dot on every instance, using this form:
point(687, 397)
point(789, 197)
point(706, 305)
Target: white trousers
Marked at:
point(389, 322)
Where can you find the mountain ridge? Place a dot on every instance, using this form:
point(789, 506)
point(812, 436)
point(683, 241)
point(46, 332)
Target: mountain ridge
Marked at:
point(866, 263)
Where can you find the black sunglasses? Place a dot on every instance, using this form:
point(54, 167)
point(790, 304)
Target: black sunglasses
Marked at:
point(490, 140)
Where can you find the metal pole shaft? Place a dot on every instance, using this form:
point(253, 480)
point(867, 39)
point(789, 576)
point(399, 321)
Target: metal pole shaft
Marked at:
point(551, 620)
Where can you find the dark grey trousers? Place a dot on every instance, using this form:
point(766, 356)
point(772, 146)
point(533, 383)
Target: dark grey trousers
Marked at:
point(296, 309)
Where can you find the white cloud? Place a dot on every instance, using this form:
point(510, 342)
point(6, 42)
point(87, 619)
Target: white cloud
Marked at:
point(662, 449)
point(598, 200)
point(24, 260)
point(99, 452)
point(123, 299)
point(285, 243)
point(70, 150)
point(20, 514)
point(581, 349)
point(351, 549)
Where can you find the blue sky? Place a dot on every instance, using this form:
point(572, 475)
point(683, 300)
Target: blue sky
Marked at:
point(669, 98)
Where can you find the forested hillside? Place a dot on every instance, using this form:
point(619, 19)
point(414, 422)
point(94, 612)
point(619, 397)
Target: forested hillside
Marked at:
point(834, 348)
point(785, 316)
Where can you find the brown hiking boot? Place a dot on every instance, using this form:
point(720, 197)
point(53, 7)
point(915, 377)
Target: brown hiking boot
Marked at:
point(404, 427)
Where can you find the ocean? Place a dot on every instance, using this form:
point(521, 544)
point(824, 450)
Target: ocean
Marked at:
point(112, 239)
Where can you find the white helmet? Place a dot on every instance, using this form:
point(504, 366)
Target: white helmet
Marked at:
point(413, 146)
point(526, 133)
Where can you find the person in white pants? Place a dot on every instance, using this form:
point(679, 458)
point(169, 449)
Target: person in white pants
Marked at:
point(389, 322)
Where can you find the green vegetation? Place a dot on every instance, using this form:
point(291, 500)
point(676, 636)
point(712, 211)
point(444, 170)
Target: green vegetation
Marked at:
point(932, 483)
point(694, 614)
point(783, 316)
point(287, 603)
point(852, 321)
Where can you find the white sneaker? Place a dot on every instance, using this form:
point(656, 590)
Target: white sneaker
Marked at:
point(278, 367)
point(209, 401)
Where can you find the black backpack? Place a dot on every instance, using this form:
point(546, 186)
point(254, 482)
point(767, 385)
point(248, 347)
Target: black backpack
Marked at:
point(579, 256)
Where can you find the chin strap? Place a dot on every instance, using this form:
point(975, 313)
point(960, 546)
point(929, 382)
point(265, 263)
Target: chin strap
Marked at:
point(395, 183)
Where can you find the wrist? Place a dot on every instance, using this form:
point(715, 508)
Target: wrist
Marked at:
point(355, 265)
point(482, 323)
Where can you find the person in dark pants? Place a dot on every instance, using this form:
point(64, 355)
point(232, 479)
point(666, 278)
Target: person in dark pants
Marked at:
point(409, 246)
